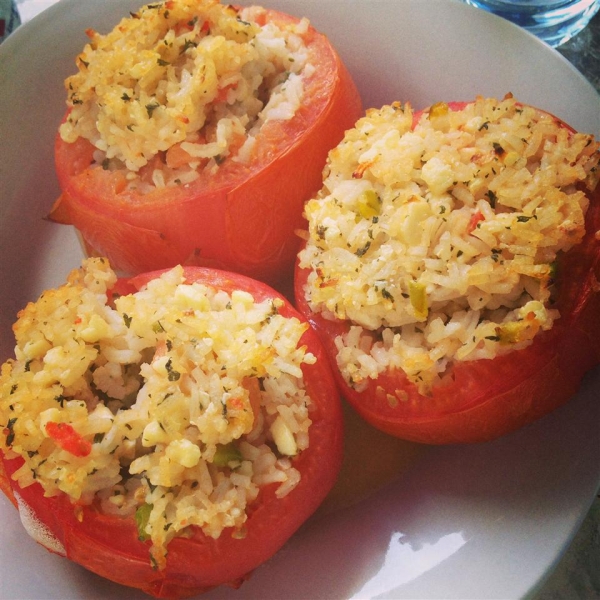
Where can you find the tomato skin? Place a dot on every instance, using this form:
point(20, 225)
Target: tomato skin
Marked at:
point(244, 217)
point(109, 545)
point(484, 399)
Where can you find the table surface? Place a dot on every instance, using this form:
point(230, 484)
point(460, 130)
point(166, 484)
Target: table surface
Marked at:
point(577, 575)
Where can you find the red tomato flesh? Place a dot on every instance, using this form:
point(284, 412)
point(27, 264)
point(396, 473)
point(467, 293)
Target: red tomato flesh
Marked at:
point(109, 545)
point(485, 399)
point(244, 217)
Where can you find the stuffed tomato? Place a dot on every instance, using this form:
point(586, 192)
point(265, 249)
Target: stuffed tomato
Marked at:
point(194, 133)
point(168, 432)
point(451, 267)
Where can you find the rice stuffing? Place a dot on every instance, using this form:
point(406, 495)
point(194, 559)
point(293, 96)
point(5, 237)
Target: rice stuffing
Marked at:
point(439, 244)
point(173, 405)
point(182, 85)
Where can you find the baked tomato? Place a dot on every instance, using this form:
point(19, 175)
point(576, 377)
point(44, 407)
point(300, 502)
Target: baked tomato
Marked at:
point(514, 367)
point(108, 498)
point(233, 212)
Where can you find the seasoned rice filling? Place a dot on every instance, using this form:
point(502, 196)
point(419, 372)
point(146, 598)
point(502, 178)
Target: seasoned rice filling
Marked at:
point(174, 404)
point(439, 244)
point(182, 85)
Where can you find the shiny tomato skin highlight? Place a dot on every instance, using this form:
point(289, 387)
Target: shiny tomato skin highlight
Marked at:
point(486, 399)
point(109, 546)
point(244, 217)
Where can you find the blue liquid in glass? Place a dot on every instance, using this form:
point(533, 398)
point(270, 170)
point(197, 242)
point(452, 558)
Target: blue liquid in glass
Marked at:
point(554, 21)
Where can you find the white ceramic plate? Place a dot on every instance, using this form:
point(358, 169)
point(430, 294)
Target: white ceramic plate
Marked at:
point(484, 521)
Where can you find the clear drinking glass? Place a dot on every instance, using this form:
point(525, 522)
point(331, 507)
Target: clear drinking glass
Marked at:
point(554, 21)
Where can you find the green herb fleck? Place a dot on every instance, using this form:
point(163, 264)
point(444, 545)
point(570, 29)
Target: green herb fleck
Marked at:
point(362, 251)
point(321, 229)
point(187, 45)
point(491, 198)
point(150, 108)
point(157, 327)
point(172, 375)
point(387, 295)
point(10, 438)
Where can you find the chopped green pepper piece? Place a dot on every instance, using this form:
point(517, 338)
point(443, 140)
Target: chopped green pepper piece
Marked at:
point(226, 453)
point(142, 516)
point(369, 204)
point(510, 333)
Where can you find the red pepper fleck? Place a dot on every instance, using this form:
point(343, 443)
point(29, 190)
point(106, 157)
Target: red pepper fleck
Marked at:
point(222, 93)
point(362, 167)
point(68, 439)
point(475, 220)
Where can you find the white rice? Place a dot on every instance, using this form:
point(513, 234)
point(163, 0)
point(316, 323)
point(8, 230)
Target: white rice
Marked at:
point(439, 244)
point(182, 86)
point(189, 400)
